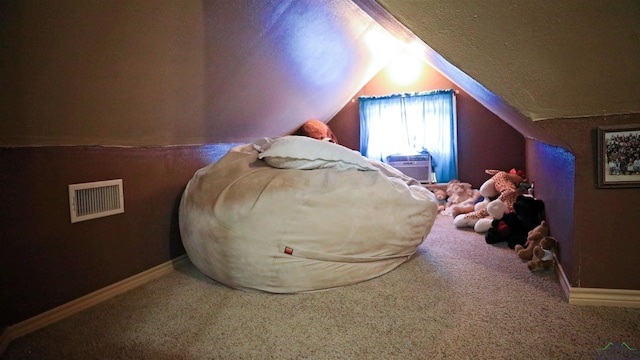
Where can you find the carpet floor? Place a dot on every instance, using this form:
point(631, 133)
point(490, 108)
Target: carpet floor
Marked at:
point(458, 298)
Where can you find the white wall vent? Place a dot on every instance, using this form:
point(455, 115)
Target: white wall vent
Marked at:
point(95, 199)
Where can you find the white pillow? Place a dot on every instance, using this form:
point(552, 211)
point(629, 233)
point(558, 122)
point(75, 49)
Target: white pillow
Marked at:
point(305, 153)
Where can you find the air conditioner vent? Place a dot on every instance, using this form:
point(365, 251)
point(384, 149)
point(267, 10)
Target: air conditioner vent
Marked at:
point(95, 199)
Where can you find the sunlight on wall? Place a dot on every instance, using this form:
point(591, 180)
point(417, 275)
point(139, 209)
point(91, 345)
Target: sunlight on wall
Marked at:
point(405, 69)
point(325, 48)
point(318, 45)
point(382, 47)
point(403, 64)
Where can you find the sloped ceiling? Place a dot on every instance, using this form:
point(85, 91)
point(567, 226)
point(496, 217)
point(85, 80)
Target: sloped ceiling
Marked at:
point(546, 58)
point(283, 62)
point(180, 72)
point(163, 73)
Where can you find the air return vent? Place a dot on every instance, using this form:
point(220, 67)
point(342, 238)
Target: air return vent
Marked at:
point(95, 199)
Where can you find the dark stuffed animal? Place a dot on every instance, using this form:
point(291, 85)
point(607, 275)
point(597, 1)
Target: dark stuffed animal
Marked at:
point(514, 226)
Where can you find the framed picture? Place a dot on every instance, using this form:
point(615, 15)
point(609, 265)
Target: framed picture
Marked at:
point(619, 156)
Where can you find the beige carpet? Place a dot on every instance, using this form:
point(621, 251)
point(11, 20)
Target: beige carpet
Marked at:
point(459, 298)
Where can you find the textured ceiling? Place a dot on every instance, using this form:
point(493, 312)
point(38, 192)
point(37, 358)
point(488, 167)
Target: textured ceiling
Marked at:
point(545, 58)
point(283, 62)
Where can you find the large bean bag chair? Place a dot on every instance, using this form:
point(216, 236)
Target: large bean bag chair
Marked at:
point(295, 214)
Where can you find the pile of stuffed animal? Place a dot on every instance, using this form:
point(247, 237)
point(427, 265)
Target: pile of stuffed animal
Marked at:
point(458, 198)
point(538, 249)
point(503, 211)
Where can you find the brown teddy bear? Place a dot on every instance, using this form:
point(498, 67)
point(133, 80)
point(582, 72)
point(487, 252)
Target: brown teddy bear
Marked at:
point(543, 255)
point(533, 239)
point(316, 129)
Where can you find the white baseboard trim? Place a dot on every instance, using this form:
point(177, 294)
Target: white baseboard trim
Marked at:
point(73, 307)
point(564, 282)
point(596, 296)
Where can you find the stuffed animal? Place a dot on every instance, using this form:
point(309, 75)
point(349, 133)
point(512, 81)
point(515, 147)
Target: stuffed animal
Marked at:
point(461, 198)
point(543, 255)
point(496, 210)
point(533, 239)
point(502, 186)
point(441, 196)
point(316, 129)
point(514, 226)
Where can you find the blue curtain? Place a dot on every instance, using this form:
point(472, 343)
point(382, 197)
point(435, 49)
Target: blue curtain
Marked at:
point(411, 123)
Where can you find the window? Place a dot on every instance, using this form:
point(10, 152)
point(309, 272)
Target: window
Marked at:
point(411, 124)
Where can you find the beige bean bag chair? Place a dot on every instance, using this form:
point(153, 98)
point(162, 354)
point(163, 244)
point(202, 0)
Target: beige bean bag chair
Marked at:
point(295, 214)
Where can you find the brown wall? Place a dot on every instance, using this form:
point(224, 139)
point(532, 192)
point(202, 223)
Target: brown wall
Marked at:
point(552, 170)
point(484, 140)
point(101, 73)
point(46, 260)
point(599, 244)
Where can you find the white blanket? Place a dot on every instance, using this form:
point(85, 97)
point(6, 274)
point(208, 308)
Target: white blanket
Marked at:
point(252, 226)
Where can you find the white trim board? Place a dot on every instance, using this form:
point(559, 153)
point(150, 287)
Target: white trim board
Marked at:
point(73, 307)
point(596, 296)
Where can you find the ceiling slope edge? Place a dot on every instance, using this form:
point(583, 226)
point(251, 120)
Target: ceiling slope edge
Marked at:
point(505, 111)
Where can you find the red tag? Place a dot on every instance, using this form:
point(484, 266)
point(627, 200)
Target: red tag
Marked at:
point(288, 250)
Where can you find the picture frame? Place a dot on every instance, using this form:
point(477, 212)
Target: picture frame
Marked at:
point(619, 156)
